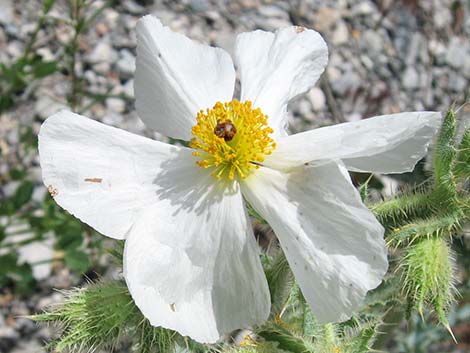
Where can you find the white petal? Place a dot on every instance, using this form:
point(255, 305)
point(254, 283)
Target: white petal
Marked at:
point(383, 144)
point(332, 242)
point(177, 77)
point(276, 67)
point(191, 262)
point(101, 175)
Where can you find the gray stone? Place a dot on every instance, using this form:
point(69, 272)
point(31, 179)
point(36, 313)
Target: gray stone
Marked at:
point(364, 8)
point(456, 52)
point(317, 98)
point(46, 105)
point(340, 34)
point(410, 78)
point(126, 64)
point(200, 5)
point(325, 18)
point(442, 16)
point(102, 53)
point(133, 8)
point(457, 83)
point(272, 11)
point(32, 346)
point(372, 41)
point(6, 12)
point(128, 88)
point(8, 338)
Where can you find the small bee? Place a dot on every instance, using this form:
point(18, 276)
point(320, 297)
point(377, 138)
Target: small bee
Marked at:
point(225, 129)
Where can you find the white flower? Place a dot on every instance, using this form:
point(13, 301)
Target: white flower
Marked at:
point(191, 261)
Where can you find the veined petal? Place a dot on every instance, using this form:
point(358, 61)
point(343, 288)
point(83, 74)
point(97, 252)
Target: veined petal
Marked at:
point(191, 261)
point(276, 67)
point(383, 144)
point(332, 242)
point(177, 77)
point(102, 175)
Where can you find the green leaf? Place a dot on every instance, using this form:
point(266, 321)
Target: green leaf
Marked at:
point(24, 193)
point(45, 68)
point(285, 339)
point(47, 5)
point(69, 235)
point(77, 260)
point(8, 262)
point(280, 281)
point(461, 166)
point(18, 174)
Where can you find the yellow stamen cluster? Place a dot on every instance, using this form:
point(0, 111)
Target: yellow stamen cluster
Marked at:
point(240, 153)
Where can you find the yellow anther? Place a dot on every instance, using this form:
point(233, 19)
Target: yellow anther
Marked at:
point(230, 137)
point(278, 320)
point(249, 341)
point(336, 349)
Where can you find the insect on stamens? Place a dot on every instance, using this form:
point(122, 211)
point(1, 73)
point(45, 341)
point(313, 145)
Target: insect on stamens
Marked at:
point(225, 129)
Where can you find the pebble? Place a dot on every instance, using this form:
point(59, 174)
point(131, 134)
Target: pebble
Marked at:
point(8, 338)
point(126, 64)
point(317, 99)
point(102, 53)
point(457, 52)
point(6, 13)
point(47, 105)
point(325, 18)
point(410, 78)
point(340, 34)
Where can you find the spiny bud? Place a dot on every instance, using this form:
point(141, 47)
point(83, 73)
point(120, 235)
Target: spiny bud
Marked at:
point(428, 276)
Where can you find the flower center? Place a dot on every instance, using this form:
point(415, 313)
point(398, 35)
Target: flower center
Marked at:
point(231, 138)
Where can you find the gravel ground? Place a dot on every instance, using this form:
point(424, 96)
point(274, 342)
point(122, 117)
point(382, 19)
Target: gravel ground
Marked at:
point(386, 56)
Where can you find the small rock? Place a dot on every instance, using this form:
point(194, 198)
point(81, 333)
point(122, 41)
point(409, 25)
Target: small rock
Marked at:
point(364, 8)
point(200, 5)
point(456, 53)
point(442, 17)
point(410, 78)
point(6, 13)
point(116, 105)
point(32, 346)
point(413, 48)
point(102, 53)
point(372, 41)
point(317, 98)
point(128, 88)
point(126, 64)
point(46, 54)
point(272, 11)
point(325, 18)
point(457, 83)
point(46, 302)
point(8, 338)
point(466, 67)
point(348, 82)
point(340, 34)
point(133, 8)
point(39, 251)
point(45, 106)
point(273, 23)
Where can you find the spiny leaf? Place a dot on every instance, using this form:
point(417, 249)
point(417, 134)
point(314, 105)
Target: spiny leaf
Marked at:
point(153, 339)
point(284, 338)
point(461, 167)
point(445, 225)
point(398, 210)
point(444, 154)
point(280, 281)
